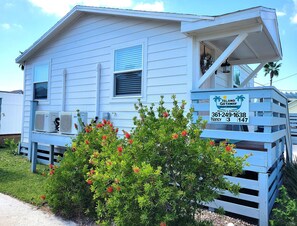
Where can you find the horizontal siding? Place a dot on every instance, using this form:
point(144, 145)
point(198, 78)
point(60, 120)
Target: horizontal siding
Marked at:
point(89, 41)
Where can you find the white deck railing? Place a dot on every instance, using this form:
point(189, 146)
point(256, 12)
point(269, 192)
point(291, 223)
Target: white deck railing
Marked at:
point(265, 137)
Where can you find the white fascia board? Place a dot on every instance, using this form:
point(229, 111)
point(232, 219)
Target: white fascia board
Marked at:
point(187, 27)
point(144, 14)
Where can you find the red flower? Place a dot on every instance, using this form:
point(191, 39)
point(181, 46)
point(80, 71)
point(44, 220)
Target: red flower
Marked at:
point(89, 182)
point(120, 149)
point(127, 135)
point(108, 122)
point(165, 114)
point(117, 130)
point(162, 224)
point(51, 166)
point(184, 133)
point(174, 136)
point(136, 169)
point(99, 125)
point(73, 149)
point(228, 148)
point(87, 142)
point(88, 129)
point(104, 137)
point(212, 143)
point(52, 172)
point(42, 197)
point(110, 125)
point(92, 172)
point(109, 189)
point(130, 141)
point(104, 121)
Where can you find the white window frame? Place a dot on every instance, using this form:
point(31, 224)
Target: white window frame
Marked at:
point(129, 98)
point(47, 100)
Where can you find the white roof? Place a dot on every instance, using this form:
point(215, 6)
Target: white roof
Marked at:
point(191, 25)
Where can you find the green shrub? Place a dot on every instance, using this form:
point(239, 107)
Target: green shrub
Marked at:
point(290, 178)
point(286, 211)
point(68, 194)
point(11, 145)
point(161, 172)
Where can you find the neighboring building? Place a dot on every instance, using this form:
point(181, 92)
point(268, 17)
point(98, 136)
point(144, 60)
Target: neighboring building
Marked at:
point(101, 61)
point(11, 114)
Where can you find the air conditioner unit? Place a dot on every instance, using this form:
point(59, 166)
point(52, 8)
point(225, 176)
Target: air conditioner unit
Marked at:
point(68, 120)
point(45, 121)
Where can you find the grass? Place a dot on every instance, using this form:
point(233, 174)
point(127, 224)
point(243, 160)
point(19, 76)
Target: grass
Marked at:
point(16, 179)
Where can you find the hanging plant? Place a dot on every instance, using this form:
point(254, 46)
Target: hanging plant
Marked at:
point(206, 61)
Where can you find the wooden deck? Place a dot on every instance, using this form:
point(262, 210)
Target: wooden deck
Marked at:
point(265, 137)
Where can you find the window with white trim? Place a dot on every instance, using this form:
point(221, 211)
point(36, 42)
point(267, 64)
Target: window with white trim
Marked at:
point(40, 81)
point(128, 67)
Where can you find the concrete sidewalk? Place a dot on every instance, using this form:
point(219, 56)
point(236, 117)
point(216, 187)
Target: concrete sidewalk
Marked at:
point(17, 213)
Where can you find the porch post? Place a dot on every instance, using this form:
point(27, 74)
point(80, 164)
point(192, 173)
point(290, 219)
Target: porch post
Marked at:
point(33, 106)
point(234, 44)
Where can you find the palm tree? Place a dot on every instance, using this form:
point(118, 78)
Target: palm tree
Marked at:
point(272, 68)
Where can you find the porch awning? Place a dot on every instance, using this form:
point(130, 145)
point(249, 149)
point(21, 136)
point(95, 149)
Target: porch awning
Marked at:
point(261, 45)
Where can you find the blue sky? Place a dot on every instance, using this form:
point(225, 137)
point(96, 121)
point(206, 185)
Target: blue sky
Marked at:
point(22, 22)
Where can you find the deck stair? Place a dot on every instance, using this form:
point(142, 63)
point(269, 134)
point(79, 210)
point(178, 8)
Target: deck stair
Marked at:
point(267, 138)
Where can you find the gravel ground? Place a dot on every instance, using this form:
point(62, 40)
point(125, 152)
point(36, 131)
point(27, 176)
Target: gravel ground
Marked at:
point(17, 213)
point(222, 220)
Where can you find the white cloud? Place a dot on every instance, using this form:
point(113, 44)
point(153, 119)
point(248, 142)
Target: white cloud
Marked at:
point(156, 6)
point(5, 26)
point(294, 17)
point(281, 13)
point(61, 7)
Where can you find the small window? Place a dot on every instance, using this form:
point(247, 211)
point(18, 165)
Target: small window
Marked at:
point(128, 71)
point(40, 81)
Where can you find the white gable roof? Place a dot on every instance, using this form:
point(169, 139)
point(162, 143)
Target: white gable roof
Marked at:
point(190, 24)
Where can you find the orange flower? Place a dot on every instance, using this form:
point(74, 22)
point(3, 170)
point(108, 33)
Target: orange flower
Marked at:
point(89, 182)
point(228, 148)
point(127, 135)
point(42, 197)
point(99, 125)
point(184, 133)
point(136, 169)
point(130, 141)
point(212, 143)
point(92, 172)
point(174, 136)
point(109, 189)
point(120, 149)
point(104, 137)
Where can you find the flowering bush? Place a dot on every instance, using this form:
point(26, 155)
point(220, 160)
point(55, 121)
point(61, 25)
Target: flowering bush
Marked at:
point(160, 172)
point(157, 174)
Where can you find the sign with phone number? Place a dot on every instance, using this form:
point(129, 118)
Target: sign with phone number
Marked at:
point(229, 108)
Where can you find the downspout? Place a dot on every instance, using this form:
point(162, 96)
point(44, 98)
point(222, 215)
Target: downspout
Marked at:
point(98, 81)
point(63, 90)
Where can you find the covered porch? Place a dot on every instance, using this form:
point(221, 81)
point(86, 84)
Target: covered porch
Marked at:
point(260, 127)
